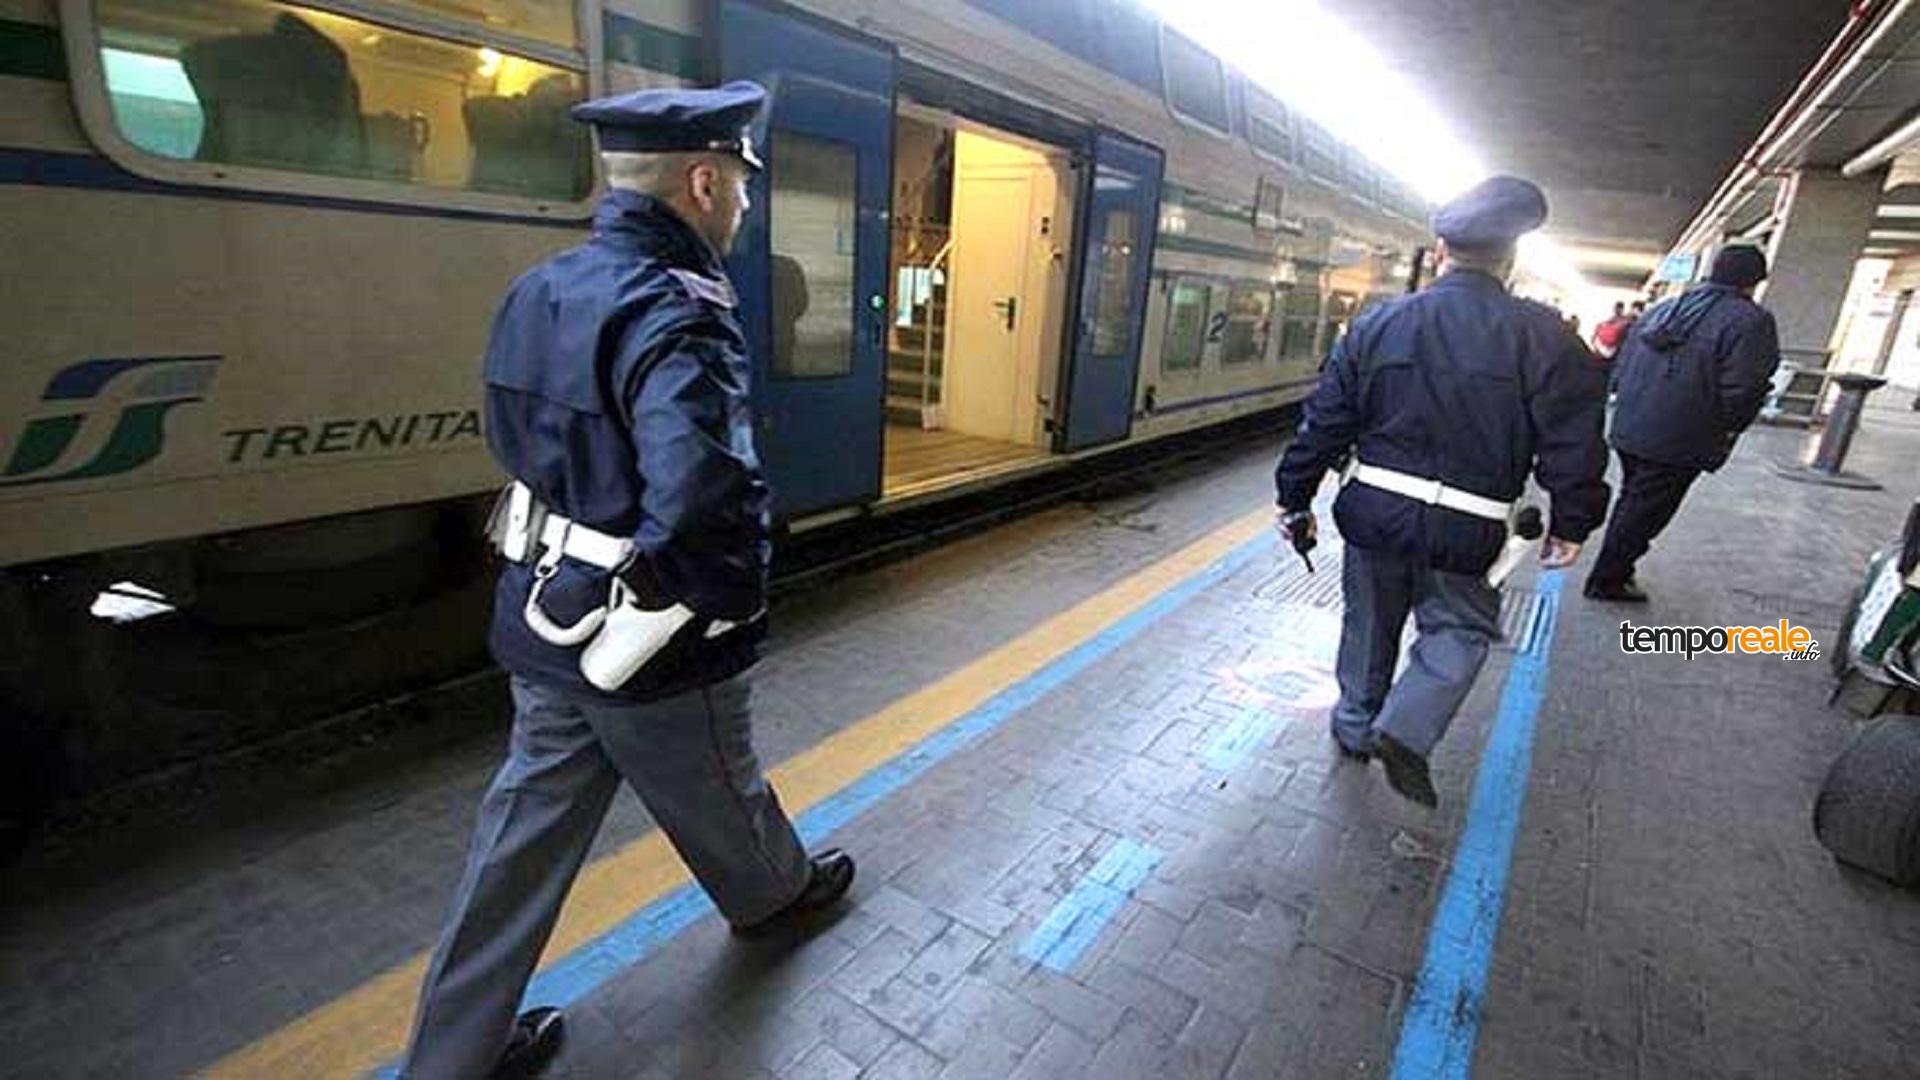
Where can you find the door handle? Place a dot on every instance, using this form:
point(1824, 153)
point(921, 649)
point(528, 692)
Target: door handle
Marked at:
point(1007, 307)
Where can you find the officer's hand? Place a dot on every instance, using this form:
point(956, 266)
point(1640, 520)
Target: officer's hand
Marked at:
point(1310, 526)
point(1556, 553)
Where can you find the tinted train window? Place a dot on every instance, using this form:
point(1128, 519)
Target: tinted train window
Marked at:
point(272, 86)
point(1341, 308)
point(1320, 152)
point(1186, 326)
point(1269, 126)
point(810, 213)
point(1301, 322)
point(1196, 81)
point(1249, 322)
point(547, 21)
point(1113, 310)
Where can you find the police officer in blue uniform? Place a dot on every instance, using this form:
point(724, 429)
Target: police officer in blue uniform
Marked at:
point(636, 535)
point(1445, 400)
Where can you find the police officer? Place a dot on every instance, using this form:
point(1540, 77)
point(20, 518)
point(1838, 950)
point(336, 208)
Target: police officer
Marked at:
point(1446, 398)
point(1691, 377)
point(637, 540)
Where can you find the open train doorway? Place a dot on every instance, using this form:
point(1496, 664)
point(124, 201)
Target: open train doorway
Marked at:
point(981, 252)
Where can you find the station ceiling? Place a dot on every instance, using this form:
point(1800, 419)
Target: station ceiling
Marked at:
point(1629, 112)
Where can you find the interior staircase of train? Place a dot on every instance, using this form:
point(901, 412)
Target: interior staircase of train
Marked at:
point(922, 250)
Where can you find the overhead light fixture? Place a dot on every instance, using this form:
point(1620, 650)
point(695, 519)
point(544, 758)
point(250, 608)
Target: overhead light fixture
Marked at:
point(490, 61)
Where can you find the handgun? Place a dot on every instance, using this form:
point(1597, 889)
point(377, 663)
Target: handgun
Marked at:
point(1298, 523)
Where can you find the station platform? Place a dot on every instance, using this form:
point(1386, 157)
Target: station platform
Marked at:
point(1082, 761)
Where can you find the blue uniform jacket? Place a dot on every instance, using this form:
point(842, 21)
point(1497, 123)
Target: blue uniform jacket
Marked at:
point(1692, 375)
point(617, 390)
point(1464, 384)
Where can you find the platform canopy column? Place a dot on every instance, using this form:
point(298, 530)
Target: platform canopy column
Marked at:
point(1821, 235)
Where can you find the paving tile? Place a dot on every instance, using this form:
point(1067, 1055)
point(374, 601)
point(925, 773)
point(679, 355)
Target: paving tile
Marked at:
point(905, 1061)
point(907, 916)
point(904, 1007)
point(823, 1062)
point(1274, 928)
point(976, 1008)
point(875, 964)
point(1090, 1013)
point(1161, 1005)
point(1147, 937)
point(1060, 1053)
point(939, 965)
point(1213, 934)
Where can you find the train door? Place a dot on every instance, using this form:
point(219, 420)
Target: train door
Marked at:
point(811, 259)
point(1123, 215)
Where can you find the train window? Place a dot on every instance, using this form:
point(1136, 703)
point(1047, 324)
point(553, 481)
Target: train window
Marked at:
point(1196, 81)
point(1113, 307)
point(1300, 323)
point(547, 21)
point(265, 85)
point(1360, 176)
point(1341, 308)
point(1249, 322)
point(1186, 326)
point(810, 213)
point(1269, 126)
point(1319, 150)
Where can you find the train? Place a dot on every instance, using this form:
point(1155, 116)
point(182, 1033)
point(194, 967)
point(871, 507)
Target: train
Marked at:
point(255, 248)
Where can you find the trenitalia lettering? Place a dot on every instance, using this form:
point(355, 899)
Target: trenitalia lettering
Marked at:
point(348, 436)
point(1783, 639)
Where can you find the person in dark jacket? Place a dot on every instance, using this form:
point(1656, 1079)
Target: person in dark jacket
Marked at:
point(1692, 375)
point(1448, 398)
point(636, 534)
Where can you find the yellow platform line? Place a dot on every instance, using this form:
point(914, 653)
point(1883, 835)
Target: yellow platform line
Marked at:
point(367, 1027)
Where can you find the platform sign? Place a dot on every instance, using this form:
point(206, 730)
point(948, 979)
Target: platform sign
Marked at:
point(1678, 267)
point(810, 263)
point(1123, 214)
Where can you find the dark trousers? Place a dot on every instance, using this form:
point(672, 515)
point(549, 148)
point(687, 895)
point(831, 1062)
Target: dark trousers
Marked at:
point(1650, 494)
point(1458, 618)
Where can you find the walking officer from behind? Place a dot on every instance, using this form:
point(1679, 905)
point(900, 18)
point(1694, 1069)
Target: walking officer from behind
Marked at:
point(1446, 399)
point(636, 534)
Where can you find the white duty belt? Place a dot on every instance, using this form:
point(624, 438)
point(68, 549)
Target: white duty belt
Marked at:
point(1431, 492)
point(524, 531)
point(619, 637)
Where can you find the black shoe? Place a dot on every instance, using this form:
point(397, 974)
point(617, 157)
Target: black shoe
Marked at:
point(537, 1035)
point(832, 877)
point(1348, 753)
point(1623, 592)
point(1406, 771)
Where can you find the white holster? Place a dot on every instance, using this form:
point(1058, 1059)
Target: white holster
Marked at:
point(619, 636)
point(628, 637)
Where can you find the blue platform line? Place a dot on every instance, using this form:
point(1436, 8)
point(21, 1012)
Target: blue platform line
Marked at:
point(578, 973)
point(1442, 1020)
point(1073, 923)
point(1239, 739)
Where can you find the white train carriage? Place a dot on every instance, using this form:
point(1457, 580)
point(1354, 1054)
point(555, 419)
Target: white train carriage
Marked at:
point(256, 246)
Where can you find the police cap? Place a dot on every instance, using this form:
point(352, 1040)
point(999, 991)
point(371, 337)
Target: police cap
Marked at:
point(663, 121)
point(1494, 214)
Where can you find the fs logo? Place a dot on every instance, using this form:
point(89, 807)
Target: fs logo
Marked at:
point(75, 437)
